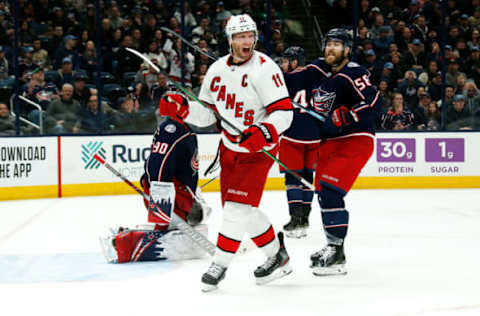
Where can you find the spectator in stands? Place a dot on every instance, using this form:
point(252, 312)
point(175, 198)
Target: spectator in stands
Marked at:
point(81, 92)
point(7, 122)
point(383, 41)
point(91, 120)
point(461, 81)
point(472, 62)
point(397, 118)
point(435, 86)
point(40, 55)
point(387, 74)
point(114, 16)
point(420, 28)
point(27, 65)
point(404, 40)
point(200, 30)
point(67, 50)
point(458, 117)
point(40, 92)
point(127, 62)
point(434, 117)
point(408, 88)
point(62, 113)
point(3, 64)
point(147, 75)
point(472, 97)
point(66, 72)
point(415, 56)
point(126, 120)
point(453, 72)
point(173, 56)
point(158, 89)
point(386, 95)
point(155, 53)
point(373, 65)
point(420, 110)
point(221, 13)
point(190, 21)
point(474, 40)
point(88, 59)
point(449, 95)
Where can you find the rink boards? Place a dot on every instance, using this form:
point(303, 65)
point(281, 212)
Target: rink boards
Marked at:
point(40, 167)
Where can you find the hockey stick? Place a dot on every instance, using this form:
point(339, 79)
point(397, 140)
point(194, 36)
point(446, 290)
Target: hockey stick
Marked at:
point(208, 182)
point(195, 236)
point(221, 118)
point(195, 47)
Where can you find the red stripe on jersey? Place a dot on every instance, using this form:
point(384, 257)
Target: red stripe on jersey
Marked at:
point(227, 244)
point(265, 238)
point(282, 104)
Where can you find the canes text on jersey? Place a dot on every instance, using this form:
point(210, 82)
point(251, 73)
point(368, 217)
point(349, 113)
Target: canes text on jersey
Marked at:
point(230, 100)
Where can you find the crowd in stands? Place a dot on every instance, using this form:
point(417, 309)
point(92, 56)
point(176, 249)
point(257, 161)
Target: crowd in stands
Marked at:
point(398, 41)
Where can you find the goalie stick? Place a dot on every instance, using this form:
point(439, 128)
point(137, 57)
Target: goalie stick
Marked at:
point(195, 236)
point(219, 117)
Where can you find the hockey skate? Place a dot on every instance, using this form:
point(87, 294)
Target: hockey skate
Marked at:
point(275, 267)
point(330, 260)
point(298, 225)
point(212, 277)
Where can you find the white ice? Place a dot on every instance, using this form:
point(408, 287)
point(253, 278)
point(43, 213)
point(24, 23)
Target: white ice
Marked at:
point(409, 252)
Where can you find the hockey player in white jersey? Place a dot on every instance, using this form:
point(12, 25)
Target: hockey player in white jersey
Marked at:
point(247, 89)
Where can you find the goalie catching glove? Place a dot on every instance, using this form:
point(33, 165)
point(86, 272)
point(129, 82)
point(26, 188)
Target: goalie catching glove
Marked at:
point(258, 136)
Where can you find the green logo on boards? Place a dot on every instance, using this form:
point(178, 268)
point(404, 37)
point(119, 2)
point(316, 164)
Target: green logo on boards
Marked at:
point(88, 154)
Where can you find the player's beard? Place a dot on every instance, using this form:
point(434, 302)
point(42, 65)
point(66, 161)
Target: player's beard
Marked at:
point(334, 59)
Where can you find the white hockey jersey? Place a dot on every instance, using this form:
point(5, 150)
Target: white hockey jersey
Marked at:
point(243, 94)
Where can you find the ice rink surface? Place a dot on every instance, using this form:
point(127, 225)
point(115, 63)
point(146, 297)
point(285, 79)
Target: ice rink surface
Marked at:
point(409, 252)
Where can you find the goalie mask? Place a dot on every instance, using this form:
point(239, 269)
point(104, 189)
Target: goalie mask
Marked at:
point(239, 24)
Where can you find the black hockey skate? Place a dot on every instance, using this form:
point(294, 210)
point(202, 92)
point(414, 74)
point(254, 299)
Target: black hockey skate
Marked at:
point(212, 277)
point(298, 225)
point(330, 260)
point(275, 267)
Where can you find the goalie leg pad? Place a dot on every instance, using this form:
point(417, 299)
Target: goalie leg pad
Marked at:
point(124, 245)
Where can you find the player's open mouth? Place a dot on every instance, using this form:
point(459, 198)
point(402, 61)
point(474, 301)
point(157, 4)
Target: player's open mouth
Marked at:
point(246, 50)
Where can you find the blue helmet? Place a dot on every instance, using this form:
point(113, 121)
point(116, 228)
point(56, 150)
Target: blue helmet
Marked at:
point(295, 53)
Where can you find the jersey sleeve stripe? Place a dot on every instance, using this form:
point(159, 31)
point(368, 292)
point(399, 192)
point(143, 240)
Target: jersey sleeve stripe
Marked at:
point(366, 105)
point(282, 105)
point(353, 85)
point(168, 153)
point(318, 68)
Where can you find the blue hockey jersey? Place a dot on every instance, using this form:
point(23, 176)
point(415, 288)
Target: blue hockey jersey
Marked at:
point(174, 155)
point(300, 84)
point(351, 87)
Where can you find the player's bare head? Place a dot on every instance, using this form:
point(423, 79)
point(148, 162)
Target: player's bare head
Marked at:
point(337, 46)
point(292, 58)
point(242, 35)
